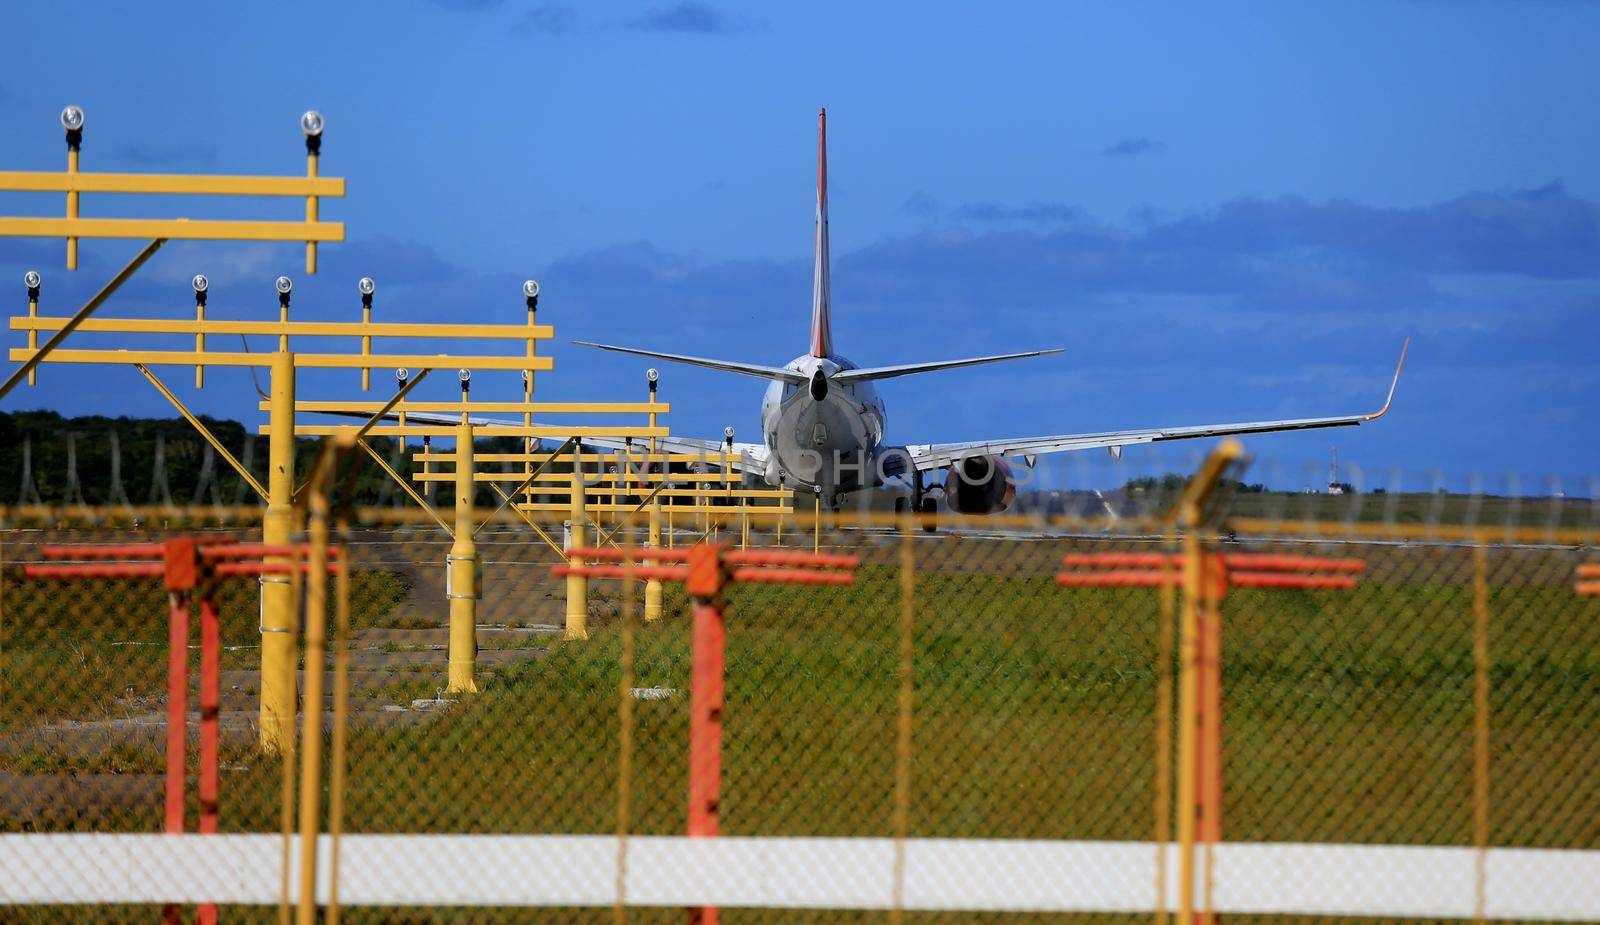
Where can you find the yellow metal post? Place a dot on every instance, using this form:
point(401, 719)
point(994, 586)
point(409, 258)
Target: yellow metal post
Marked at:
point(72, 198)
point(816, 526)
point(366, 286)
point(577, 585)
point(199, 284)
point(463, 587)
point(652, 587)
point(33, 336)
point(312, 156)
point(277, 608)
point(427, 469)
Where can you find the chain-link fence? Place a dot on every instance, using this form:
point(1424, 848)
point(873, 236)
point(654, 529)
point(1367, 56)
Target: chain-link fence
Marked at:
point(955, 734)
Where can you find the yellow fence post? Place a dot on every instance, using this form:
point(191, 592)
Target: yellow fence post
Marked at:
point(1188, 703)
point(315, 645)
point(277, 603)
point(462, 589)
point(577, 585)
point(1190, 510)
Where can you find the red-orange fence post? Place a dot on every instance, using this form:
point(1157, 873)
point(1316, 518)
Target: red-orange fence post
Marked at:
point(705, 582)
point(1219, 572)
point(1588, 579)
point(707, 569)
point(187, 566)
point(181, 574)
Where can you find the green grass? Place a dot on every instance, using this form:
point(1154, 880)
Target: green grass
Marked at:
point(1348, 715)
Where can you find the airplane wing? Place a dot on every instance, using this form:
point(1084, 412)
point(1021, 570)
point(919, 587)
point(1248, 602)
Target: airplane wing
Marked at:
point(939, 455)
point(752, 456)
point(888, 372)
point(727, 366)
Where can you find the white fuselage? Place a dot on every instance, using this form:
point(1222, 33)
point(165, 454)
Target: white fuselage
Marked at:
point(827, 444)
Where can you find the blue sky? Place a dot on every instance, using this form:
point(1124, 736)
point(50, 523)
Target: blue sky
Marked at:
point(1223, 213)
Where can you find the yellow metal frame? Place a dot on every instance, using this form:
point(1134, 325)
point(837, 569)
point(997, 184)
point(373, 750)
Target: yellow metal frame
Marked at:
point(74, 183)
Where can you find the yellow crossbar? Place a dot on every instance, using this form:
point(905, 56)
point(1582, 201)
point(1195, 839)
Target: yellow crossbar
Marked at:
point(491, 407)
point(648, 478)
point(291, 328)
point(301, 360)
point(606, 507)
point(708, 456)
point(27, 181)
point(484, 430)
point(176, 229)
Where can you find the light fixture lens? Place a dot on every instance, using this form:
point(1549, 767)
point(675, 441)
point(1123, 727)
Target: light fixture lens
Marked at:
point(531, 289)
point(31, 279)
point(402, 374)
point(652, 374)
point(367, 286)
point(727, 432)
point(311, 123)
point(284, 284)
point(465, 375)
point(200, 283)
point(72, 118)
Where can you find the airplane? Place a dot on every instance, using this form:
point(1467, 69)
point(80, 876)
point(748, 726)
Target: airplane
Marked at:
point(822, 422)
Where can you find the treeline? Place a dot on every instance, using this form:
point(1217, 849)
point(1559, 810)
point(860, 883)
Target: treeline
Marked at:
point(49, 459)
point(1174, 482)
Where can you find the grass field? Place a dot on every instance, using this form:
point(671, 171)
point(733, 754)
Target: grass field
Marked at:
point(1348, 715)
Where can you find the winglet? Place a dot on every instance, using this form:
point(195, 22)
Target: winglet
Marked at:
point(1382, 411)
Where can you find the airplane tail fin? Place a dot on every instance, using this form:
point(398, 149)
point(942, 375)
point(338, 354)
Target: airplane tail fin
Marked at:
point(821, 328)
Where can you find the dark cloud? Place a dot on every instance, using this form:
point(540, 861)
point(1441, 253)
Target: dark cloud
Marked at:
point(1280, 308)
point(691, 16)
point(1132, 147)
point(157, 155)
point(1042, 213)
point(547, 19)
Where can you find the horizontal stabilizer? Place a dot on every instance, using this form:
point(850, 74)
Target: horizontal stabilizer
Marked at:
point(727, 366)
point(889, 372)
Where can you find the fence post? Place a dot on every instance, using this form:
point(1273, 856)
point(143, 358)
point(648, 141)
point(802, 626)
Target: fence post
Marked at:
point(210, 708)
point(705, 581)
point(463, 573)
point(316, 591)
point(180, 567)
point(1190, 512)
point(1208, 708)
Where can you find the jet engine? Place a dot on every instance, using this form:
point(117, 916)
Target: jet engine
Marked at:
point(979, 485)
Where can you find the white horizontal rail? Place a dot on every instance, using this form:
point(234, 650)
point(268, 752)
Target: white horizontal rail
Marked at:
point(842, 873)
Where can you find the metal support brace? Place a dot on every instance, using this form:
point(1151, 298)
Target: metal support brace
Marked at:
point(204, 431)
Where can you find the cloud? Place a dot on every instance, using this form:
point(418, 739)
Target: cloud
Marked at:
point(692, 16)
point(547, 19)
point(1133, 147)
point(1256, 309)
point(1044, 213)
